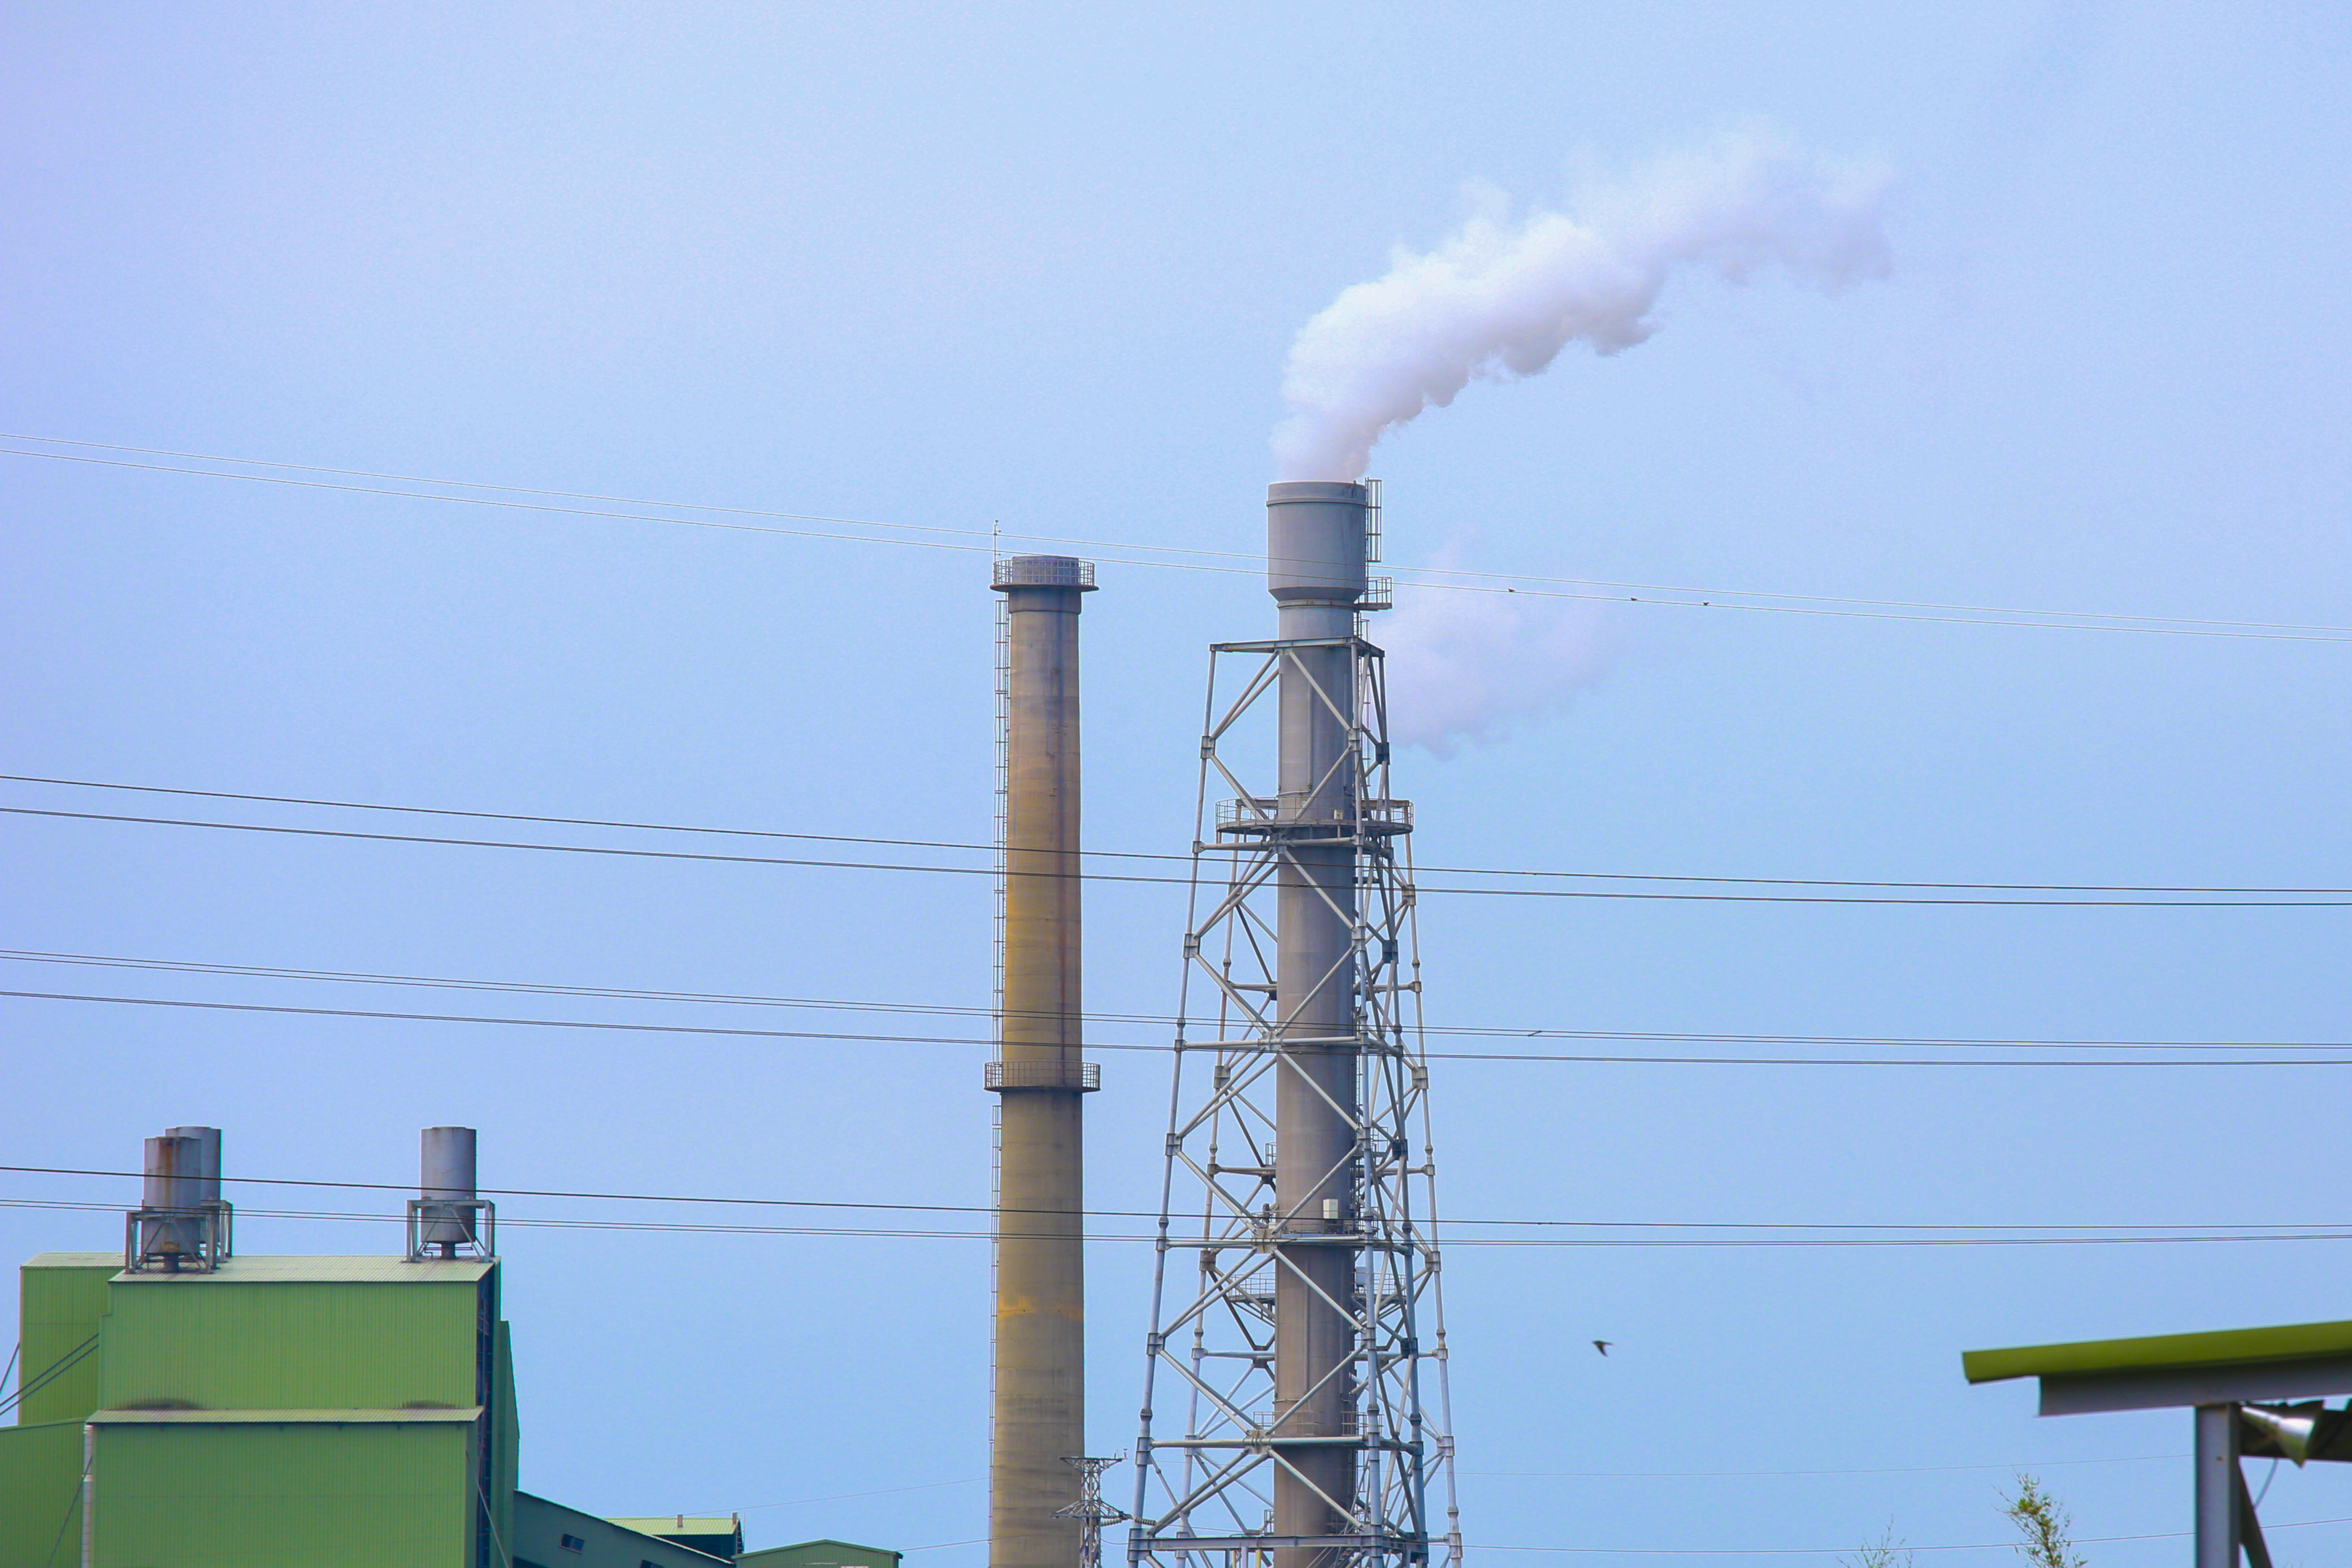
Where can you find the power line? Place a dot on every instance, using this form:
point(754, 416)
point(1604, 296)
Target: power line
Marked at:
point(836, 1004)
point(2319, 1230)
point(525, 506)
point(1620, 1060)
point(1628, 1475)
point(1788, 1551)
point(569, 822)
point(49, 1374)
point(614, 500)
point(1519, 1243)
point(846, 1496)
point(1805, 603)
point(543, 1023)
point(1608, 893)
point(1142, 854)
point(1842, 1551)
point(1762, 1475)
point(1592, 1475)
point(76, 1355)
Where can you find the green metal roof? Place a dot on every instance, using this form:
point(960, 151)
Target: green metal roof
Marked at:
point(2160, 1353)
point(282, 1417)
point(824, 1548)
point(75, 1260)
point(333, 1269)
point(829, 1540)
point(679, 1524)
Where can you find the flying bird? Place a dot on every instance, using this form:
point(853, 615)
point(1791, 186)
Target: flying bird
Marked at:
point(1603, 1346)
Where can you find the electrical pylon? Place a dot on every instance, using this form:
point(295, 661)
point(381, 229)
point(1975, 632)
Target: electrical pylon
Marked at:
point(1091, 1512)
point(1296, 1303)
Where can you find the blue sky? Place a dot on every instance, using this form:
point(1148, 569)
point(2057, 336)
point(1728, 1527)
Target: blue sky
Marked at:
point(1038, 265)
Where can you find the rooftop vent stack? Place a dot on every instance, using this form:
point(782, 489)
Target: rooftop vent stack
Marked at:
point(173, 1181)
point(447, 1216)
point(1039, 1077)
point(206, 1173)
point(180, 1223)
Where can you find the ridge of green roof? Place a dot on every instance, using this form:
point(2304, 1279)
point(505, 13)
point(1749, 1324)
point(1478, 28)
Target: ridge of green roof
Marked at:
point(2172, 1351)
point(829, 1540)
point(346, 1268)
point(405, 1416)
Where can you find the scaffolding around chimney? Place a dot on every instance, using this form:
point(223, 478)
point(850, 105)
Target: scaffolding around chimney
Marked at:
point(1294, 1412)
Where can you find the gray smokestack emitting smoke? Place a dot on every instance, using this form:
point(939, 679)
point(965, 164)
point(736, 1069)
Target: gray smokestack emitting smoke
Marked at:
point(1501, 298)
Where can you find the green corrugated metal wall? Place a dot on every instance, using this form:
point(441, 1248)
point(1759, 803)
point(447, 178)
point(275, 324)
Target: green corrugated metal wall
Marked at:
point(40, 1495)
point(507, 1437)
point(227, 1344)
point(256, 1495)
point(381, 1496)
point(61, 1304)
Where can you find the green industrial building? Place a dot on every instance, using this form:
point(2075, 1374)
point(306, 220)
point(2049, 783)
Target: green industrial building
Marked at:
point(183, 1407)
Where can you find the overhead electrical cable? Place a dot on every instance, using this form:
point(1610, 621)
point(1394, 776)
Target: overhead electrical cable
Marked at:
point(1776, 1475)
point(1783, 1551)
point(1133, 877)
point(842, 1497)
point(1596, 1475)
point(903, 1233)
point(55, 1370)
point(539, 507)
point(1251, 556)
point(1717, 599)
point(1848, 1551)
point(1196, 1046)
point(1142, 854)
point(837, 1004)
point(2321, 1229)
point(561, 821)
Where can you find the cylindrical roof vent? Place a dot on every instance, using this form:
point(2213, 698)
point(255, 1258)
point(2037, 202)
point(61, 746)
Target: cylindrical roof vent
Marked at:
point(180, 1223)
point(173, 1172)
point(206, 1171)
point(447, 1206)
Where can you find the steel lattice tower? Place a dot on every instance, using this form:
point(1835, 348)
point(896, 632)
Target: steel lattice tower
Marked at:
point(1296, 1296)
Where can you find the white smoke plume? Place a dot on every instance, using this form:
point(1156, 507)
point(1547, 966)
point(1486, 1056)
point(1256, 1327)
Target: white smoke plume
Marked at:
point(1467, 667)
point(1502, 297)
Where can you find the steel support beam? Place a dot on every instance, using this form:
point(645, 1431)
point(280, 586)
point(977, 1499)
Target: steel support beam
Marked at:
point(2217, 1485)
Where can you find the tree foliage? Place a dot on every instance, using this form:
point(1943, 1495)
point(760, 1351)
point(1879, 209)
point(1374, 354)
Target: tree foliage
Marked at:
point(1886, 1551)
point(2045, 1524)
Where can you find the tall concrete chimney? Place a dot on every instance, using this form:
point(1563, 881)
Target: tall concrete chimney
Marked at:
point(1039, 1415)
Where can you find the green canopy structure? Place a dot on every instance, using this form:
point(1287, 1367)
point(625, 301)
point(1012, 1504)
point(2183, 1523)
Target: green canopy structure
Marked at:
point(2257, 1393)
